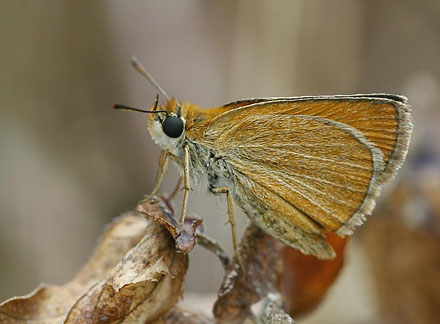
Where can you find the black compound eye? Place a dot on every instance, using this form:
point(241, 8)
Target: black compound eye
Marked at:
point(173, 126)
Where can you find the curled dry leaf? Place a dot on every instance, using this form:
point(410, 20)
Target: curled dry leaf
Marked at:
point(142, 287)
point(135, 275)
point(50, 304)
point(161, 212)
point(302, 280)
point(305, 279)
point(261, 258)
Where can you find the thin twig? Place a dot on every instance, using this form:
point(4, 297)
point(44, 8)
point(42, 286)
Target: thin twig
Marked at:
point(213, 246)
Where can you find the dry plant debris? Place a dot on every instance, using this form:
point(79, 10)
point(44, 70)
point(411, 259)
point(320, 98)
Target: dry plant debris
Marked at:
point(305, 280)
point(137, 271)
point(134, 276)
point(162, 213)
point(261, 257)
point(270, 266)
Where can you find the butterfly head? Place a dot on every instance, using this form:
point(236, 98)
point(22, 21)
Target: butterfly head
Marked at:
point(166, 124)
point(165, 121)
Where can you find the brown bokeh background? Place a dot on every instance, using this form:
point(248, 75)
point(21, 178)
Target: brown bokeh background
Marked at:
point(69, 163)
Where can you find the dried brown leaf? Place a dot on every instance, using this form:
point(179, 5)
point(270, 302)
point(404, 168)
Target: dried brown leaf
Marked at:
point(305, 280)
point(50, 304)
point(141, 288)
point(261, 256)
point(161, 212)
point(135, 275)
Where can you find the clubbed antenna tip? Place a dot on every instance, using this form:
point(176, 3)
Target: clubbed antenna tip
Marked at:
point(139, 67)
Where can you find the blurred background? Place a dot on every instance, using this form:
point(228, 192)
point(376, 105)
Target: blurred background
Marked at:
point(70, 164)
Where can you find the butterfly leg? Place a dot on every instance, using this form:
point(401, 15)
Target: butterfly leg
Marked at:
point(231, 221)
point(176, 189)
point(186, 186)
point(163, 166)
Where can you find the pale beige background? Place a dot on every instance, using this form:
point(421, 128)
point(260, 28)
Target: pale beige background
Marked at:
point(69, 163)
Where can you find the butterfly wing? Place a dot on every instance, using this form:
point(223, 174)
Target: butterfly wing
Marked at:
point(297, 175)
point(384, 119)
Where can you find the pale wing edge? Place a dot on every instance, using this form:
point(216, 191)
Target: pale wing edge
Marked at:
point(400, 150)
point(367, 205)
point(393, 97)
point(369, 202)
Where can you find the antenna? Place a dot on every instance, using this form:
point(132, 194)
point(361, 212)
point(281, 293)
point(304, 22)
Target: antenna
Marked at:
point(128, 108)
point(139, 67)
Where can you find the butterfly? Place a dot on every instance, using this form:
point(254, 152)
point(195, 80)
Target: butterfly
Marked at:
point(297, 167)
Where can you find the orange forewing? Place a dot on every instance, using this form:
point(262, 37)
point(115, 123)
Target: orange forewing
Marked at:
point(321, 169)
point(304, 174)
point(383, 119)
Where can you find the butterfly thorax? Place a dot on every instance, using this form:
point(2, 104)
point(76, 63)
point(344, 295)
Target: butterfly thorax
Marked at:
point(207, 167)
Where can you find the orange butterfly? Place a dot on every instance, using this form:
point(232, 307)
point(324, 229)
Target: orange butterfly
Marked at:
point(297, 166)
